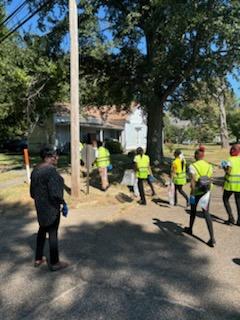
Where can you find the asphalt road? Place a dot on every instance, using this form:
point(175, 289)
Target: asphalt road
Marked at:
point(127, 262)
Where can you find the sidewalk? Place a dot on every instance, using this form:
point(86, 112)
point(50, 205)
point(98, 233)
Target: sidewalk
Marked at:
point(127, 262)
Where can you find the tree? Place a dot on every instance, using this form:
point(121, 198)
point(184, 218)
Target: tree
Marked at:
point(29, 85)
point(163, 48)
point(233, 121)
point(221, 99)
point(186, 41)
point(207, 111)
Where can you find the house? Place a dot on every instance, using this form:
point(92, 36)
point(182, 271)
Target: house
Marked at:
point(104, 123)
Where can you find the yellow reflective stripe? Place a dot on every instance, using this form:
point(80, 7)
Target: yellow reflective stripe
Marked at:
point(181, 174)
point(234, 182)
point(103, 158)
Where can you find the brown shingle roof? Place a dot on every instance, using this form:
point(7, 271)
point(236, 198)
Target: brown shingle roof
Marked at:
point(109, 116)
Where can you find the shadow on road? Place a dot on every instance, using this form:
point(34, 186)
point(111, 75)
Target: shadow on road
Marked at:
point(123, 198)
point(200, 214)
point(119, 271)
point(161, 202)
point(237, 261)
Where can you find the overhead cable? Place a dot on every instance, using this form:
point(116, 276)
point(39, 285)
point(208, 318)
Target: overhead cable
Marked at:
point(22, 22)
point(13, 14)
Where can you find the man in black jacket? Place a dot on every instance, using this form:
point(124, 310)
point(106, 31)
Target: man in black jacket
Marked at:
point(47, 191)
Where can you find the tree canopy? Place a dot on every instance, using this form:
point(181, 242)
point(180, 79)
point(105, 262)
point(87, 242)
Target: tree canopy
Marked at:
point(153, 51)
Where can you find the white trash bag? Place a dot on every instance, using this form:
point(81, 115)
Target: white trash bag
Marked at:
point(204, 201)
point(129, 178)
point(171, 193)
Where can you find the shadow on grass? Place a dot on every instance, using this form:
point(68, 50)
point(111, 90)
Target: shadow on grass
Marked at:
point(119, 271)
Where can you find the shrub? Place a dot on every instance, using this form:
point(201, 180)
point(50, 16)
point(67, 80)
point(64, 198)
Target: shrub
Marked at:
point(114, 146)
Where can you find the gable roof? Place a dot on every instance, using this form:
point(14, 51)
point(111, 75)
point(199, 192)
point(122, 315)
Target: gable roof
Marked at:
point(111, 117)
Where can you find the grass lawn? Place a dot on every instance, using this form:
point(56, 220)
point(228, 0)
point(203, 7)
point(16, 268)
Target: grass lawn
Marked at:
point(213, 153)
point(15, 161)
point(10, 166)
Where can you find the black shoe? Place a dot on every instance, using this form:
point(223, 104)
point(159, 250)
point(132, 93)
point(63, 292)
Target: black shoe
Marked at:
point(238, 223)
point(142, 203)
point(188, 230)
point(59, 266)
point(229, 222)
point(211, 243)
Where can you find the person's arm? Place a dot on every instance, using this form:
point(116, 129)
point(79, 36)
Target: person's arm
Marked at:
point(192, 184)
point(31, 191)
point(56, 187)
point(173, 171)
point(228, 170)
point(150, 170)
point(192, 173)
point(135, 164)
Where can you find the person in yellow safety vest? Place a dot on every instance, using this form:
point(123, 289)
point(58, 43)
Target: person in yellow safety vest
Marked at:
point(232, 183)
point(102, 162)
point(178, 175)
point(143, 172)
point(200, 170)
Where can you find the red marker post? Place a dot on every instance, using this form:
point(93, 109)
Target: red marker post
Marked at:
point(27, 164)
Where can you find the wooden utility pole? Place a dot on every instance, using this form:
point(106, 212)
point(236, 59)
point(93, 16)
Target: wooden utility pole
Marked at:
point(75, 131)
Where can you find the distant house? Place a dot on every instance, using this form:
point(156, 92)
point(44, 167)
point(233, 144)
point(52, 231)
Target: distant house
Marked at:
point(105, 123)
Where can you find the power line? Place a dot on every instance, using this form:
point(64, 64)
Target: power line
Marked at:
point(30, 16)
point(13, 14)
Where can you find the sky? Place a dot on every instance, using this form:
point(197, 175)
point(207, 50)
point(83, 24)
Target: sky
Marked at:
point(32, 26)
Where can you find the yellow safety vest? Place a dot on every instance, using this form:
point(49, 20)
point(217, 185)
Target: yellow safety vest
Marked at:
point(203, 169)
point(232, 180)
point(180, 177)
point(142, 163)
point(103, 159)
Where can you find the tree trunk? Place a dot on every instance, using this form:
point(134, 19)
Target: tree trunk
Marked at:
point(155, 133)
point(223, 122)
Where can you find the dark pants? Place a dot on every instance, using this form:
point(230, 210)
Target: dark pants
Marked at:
point(226, 196)
point(52, 231)
point(206, 215)
point(141, 188)
point(179, 188)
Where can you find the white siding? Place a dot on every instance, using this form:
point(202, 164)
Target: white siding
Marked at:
point(135, 131)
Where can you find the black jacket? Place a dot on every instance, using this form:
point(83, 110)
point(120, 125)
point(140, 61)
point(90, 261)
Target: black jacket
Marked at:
point(47, 191)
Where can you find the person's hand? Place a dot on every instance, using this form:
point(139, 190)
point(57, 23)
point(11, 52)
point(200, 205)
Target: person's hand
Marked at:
point(224, 164)
point(65, 210)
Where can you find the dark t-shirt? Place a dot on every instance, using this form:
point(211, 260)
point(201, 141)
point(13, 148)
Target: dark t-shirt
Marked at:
point(47, 191)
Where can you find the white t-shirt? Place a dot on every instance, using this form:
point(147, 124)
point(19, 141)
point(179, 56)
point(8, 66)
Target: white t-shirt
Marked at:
point(192, 170)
